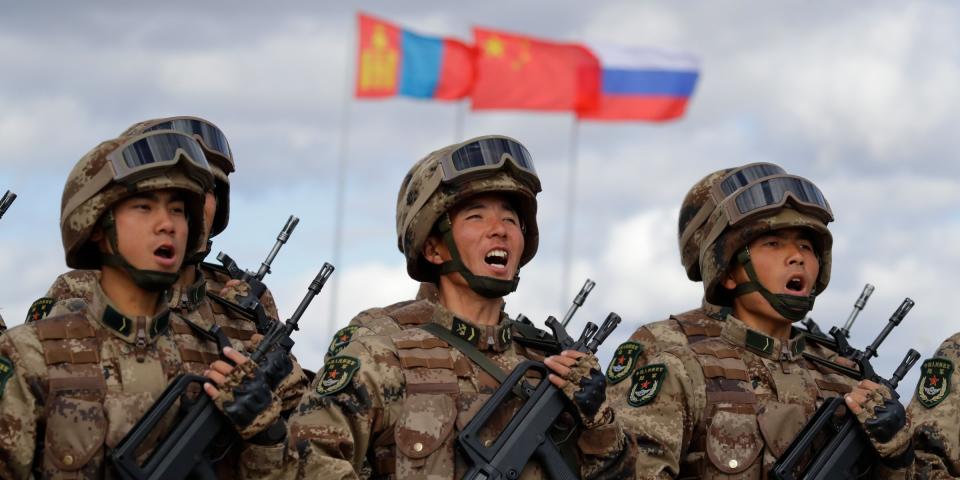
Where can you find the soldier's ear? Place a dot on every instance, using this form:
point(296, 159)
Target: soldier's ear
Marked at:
point(729, 280)
point(434, 250)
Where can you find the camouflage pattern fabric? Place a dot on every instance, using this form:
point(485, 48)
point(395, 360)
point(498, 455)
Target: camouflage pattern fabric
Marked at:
point(80, 381)
point(3, 326)
point(727, 406)
point(217, 278)
point(936, 428)
point(397, 412)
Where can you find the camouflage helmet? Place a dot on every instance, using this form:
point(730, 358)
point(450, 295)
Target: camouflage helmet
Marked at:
point(215, 148)
point(713, 229)
point(93, 187)
point(429, 190)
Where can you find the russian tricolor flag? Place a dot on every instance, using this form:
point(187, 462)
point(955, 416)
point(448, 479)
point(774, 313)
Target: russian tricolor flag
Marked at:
point(393, 61)
point(642, 83)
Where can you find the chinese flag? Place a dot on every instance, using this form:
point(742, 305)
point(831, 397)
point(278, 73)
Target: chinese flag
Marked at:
point(519, 72)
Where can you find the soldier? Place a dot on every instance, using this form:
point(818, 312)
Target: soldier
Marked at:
point(730, 404)
point(934, 412)
point(391, 405)
point(74, 383)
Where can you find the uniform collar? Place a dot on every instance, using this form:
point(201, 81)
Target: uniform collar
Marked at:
point(127, 328)
point(739, 334)
point(189, 297)
point(496, 338)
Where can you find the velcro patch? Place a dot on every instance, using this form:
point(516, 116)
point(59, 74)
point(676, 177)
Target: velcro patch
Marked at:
point(40, 309)
point(336, 374)
point(341, 339)
point(624, 361)
point(934, 384)
point(6, 371)
point(646, 385)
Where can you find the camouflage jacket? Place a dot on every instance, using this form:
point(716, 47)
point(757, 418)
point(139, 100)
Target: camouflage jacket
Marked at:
point(3, 326)
point(392, 406)
point(74, 383)
point(724, 407)
point(935, 410)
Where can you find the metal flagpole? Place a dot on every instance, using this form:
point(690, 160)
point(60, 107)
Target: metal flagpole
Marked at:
point(458, 121)
point(571, 211)
point(341, 185)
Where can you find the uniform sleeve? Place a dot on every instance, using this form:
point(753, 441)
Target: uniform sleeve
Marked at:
point(20, 410)
point(345, 407)
point(936, 428)
point(658, 408)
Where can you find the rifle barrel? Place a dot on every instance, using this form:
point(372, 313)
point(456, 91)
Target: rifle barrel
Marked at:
point(895, 320)
point(857, 308)
point(905, 366)
point(6, 201)
point(281, 239)
point(578, 301)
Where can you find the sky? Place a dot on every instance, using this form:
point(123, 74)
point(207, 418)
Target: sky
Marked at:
point(861, 98)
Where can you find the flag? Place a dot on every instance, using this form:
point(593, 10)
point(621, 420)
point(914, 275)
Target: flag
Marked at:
point(393, 61)
point(519, 72)
point(642, 84)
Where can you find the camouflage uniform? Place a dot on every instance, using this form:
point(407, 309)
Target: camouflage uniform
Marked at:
point(934, 412)
point(399, 411)
point(704, 395)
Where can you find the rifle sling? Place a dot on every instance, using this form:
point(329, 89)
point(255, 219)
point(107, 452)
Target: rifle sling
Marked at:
point(467, 349)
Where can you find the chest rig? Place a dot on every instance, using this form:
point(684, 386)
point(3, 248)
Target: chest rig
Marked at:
point(443, 390)
point(759, 395)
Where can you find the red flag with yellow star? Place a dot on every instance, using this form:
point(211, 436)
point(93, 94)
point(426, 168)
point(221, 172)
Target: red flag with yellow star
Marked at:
point(520, 72)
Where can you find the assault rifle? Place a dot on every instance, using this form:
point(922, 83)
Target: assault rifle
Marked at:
point(249, 305)
point(533, 337)
point(528, 432)
point(6, 201)
point(184, 450)
point(845, 440)
point(837, 341)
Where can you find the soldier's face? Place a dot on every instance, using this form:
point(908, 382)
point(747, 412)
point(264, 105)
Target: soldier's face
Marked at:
point(786, 263)
point(152, 230)
point(487, 231)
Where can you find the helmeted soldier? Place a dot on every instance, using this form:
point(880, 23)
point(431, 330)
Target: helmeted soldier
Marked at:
point(72, 384)
point(934, 411)
point(391, 406)
point(727, 402)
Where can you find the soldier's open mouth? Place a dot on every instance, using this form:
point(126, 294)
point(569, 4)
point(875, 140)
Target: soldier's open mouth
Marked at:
point(165, 252)
point(795, 285)
point(496, 257)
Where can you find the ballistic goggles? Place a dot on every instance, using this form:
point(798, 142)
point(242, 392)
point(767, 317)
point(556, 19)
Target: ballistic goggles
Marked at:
point(744, 176)
point(483, 156)
point(772, 193)
point(209, 135)
point(140, 156)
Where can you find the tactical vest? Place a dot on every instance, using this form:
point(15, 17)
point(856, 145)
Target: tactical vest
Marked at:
point(423, 440)
point(86, 407)
point(740, 433)
point(697, 325)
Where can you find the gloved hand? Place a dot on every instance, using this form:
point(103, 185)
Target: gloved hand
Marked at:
point(882, 417)
point(579, 376)
point(244, 395)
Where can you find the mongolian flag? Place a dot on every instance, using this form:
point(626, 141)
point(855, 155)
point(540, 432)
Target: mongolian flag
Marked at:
point(393, 61)
point(520, 72)
point(642, 84)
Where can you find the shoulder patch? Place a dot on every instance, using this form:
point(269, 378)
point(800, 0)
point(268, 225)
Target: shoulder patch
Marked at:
point(336, 374)
point(646, 385)
point(341, 339)
point(39, 309)
point(934, 384)
point(6, 371)
point(624, 361)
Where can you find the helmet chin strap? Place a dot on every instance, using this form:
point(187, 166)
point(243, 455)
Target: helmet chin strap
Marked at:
point(196, 258)
point(149, 280)
point(487, 287)
point(792, 307)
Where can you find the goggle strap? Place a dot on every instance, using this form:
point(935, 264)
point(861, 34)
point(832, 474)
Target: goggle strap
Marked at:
point(88, 190)
point(694, 224)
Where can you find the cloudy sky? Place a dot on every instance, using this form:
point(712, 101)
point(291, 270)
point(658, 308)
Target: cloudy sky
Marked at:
point(861, 98)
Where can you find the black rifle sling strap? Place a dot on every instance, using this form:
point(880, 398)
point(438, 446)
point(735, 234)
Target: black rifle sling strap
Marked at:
point(468, 349)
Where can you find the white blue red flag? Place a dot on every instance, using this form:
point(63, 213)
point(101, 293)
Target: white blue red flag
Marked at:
point(647, 84)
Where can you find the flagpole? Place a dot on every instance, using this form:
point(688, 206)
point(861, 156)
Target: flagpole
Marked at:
point(459, 115)
point(341, 185)
point(571, 211)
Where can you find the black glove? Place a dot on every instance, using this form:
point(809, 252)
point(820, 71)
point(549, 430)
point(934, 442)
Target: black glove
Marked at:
point(275, 367)
point(888, 419)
